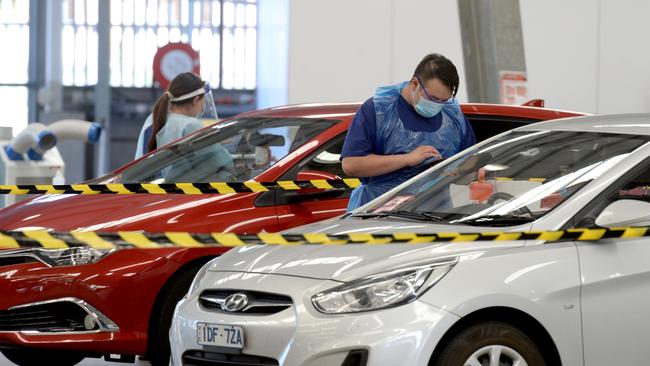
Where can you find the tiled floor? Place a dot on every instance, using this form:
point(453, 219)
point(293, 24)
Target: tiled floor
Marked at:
point(86, 362)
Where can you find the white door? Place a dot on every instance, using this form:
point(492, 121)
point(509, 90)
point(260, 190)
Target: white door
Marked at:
point(615, 296)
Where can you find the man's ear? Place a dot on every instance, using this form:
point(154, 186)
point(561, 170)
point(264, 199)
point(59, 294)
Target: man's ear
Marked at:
point(413, 82)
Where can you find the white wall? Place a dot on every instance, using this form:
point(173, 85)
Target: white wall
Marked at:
point(341, 50)
point(588, 55)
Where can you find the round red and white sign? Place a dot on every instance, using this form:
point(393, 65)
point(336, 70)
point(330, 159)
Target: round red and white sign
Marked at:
point(173, 59)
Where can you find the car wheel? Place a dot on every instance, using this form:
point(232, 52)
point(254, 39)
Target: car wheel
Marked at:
point(25, 357)
point(491, 344)
point(158, 348)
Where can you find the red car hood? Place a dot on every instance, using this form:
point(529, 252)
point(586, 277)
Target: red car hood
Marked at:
point(154, 213)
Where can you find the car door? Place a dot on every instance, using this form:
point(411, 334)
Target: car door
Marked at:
point(301, 208)
point(615, 276)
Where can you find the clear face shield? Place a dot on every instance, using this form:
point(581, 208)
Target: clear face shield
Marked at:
point(209, 110)
point(209, 115)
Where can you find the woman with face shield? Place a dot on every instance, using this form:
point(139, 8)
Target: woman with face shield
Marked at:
point(177, 113)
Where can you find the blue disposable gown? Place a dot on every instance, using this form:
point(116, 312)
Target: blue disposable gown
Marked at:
point(394, 138)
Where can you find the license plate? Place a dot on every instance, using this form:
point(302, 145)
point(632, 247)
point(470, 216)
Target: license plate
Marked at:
point(220, 335)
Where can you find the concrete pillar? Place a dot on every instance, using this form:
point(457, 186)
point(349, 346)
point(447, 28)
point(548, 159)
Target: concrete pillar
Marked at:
point(53, 63)
point(37, 46)
point(103, 87)
point(492, 42)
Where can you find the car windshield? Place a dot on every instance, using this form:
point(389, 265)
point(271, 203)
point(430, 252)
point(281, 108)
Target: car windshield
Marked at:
point(515, 178)
point(235, 150)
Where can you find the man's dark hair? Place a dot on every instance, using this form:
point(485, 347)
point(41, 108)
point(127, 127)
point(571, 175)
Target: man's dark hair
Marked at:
point(439, 67)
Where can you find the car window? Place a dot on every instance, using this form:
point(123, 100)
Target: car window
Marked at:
point(324, 163)
point(522, 174)
point(236, 150)
point(634, 187)
point(485, 127)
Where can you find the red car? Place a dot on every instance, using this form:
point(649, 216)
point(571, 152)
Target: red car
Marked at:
point(82, 302)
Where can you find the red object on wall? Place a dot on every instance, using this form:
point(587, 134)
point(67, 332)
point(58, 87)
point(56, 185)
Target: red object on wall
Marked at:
point(173, 59)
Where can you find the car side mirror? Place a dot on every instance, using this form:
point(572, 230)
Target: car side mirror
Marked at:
point(625, 213)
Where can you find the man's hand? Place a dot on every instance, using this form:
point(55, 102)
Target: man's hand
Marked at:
point(374, 165)
point(420, 154)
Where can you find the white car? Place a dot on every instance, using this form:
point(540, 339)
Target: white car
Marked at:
point(476, 303)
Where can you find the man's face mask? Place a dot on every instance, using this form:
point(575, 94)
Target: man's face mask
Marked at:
point(426, 106)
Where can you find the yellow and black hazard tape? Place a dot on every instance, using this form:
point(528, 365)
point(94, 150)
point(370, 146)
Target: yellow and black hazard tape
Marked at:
point(131, 239)
point(181, 188)
point(194, 188)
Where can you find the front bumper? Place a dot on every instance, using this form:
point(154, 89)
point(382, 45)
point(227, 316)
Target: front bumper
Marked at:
point(299, 335)
point(119, 290)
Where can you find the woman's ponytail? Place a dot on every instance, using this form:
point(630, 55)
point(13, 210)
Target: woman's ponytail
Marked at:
point(160, 110)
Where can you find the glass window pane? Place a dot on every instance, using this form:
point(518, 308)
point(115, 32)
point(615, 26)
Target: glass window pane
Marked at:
point(140, 63)
point(68, 11)
point(152, 12)
point(163, 36)
point(80, 57)
point(79, 12)
point(174, 35)
point(127, 57)
point(228, 14)
point(228, 59)
point(175, 9)
point(67, 55)
point(216, 13)
point(22, 11)
point(140, 14)
point(92, 56)
point(196, 39)
point(215, 66)
point(240, 18)
point(185, 12)
point(116, 12)
point(251, 58)
point(92, 11)
point(127, 12)
point(205, 54)
point(240, 58)
point(251, 15)
point(13, 102)
point(163, 12)
point(151, 51)
point(197, 13)
point(206, 16)
point(116, 56)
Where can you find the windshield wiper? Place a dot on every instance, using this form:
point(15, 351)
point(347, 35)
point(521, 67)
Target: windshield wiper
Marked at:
point(413, 215)
point(497, 220)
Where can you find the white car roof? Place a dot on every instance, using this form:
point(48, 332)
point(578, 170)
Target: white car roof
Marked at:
point(635, 124)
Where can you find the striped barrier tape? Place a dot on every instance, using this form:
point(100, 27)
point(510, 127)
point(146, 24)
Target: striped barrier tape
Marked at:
point(133, 239)
point(194, 188)
point(180, 188)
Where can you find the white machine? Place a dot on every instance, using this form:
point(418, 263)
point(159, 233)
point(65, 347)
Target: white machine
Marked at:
point(31, 157)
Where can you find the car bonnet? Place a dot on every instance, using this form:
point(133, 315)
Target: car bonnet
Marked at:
point(351, 261)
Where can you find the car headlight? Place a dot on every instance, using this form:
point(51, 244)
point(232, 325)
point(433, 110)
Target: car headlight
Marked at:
point(381, 291)
point(198, 278)
point(70, 256)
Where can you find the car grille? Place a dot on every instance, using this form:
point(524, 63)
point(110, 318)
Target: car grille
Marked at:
point(53, 317)
point(202, 358)
point(259, 303)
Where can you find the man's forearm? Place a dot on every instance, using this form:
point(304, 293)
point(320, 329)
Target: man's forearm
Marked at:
point(373, 165)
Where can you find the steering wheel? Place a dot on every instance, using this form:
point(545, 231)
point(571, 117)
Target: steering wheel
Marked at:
point(503, 196)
